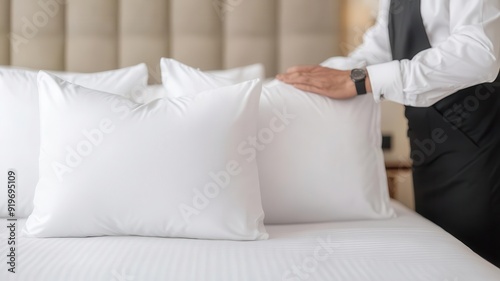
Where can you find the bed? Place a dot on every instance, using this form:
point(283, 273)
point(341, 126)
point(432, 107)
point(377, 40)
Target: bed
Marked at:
point(406, 248)
point(94, 35)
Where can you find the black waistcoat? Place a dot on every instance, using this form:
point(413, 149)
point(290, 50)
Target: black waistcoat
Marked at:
point(455, 146)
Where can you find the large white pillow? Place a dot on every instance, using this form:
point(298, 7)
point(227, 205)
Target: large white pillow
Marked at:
point(170, 168)
point(319, 159)
point(234, 75)
point(150, 93)
point(20, 123)
point(174, 80)
point(244, 73)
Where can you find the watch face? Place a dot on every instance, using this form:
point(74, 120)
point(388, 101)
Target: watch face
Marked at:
point(358, 74)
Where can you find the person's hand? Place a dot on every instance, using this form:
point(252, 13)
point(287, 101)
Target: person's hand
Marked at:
point(333, 83)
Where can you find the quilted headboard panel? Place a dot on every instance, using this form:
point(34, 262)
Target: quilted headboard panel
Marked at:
point(96, 35)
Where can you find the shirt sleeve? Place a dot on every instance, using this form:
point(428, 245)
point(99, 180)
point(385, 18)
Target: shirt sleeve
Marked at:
point(376, 47)
point(469, 56)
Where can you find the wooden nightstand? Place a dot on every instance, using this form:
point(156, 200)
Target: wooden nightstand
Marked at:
point(400, 184)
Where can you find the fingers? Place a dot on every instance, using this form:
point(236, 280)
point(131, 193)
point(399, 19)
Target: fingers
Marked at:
point(319, 80)
point(294, 77)
point(305, 70)
point(293, 73)
point(301, 68)
point(309, 88)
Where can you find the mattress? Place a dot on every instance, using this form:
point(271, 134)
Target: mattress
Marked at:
point(405, 248)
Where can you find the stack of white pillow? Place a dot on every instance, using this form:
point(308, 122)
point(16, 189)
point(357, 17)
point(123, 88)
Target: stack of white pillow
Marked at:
point(208, 155)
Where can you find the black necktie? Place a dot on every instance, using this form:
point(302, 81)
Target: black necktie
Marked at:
point(406, 29)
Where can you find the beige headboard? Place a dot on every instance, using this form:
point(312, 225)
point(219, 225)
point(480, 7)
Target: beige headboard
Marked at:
point(96, 35)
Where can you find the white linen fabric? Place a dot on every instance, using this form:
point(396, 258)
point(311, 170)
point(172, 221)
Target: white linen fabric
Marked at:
point(174, 80)
point(241, 74)
point(407, 248)
point(170, 168)
point(20, 122)
point(150, 93)
point(465, 52)
point(319, 159)
point(235, 75)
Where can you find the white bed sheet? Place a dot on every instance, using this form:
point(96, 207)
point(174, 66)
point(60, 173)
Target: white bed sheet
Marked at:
point(402, 249)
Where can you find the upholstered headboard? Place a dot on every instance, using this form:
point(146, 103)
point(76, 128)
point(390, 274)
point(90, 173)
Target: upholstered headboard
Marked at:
point(96, 35)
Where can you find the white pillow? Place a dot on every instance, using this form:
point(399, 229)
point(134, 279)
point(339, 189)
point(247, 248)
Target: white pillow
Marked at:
point(244, 73)
point(149, 94)
point(234, 75)
point(174, 80)
point(169, 168)
point(319, 159)
point(20, 123)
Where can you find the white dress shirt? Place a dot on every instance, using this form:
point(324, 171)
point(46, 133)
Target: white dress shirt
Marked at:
point(465, 40)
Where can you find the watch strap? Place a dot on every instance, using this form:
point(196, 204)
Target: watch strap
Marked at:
point(360, 87)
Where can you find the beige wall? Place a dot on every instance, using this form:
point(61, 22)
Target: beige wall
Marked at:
point(96, 35)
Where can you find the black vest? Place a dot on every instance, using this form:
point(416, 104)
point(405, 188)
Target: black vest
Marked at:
point(469, 110)
point(455, 147)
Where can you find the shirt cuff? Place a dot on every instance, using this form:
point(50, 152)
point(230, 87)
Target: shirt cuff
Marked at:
point(386, 82)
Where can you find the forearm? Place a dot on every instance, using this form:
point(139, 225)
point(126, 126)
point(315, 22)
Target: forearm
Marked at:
point(469, 56)
point(375, 47)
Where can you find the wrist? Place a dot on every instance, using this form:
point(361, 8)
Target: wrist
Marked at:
point(350, 87)
point(359, 77)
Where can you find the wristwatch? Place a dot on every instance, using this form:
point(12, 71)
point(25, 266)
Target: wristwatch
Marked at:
point(358, 76)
